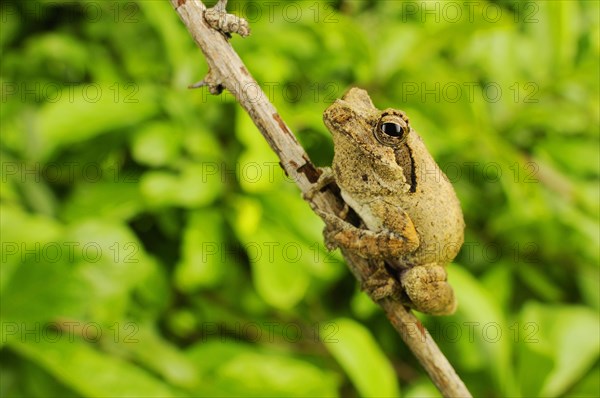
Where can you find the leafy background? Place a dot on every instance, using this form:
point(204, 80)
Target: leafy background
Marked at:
point(151, 246)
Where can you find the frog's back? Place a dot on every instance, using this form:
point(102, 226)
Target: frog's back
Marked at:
point(434, 209)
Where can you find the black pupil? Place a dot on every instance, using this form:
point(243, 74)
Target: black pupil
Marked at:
point(393, 129)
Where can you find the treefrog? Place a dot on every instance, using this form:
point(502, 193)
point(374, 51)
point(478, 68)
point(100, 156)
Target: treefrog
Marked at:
point(411, 223)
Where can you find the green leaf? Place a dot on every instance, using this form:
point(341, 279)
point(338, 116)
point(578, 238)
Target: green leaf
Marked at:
point(276, 376)
point(230, 368)
point(23, 237)
point(577, 156)
point(149, 349)
point(258, 170)
point(499, 279)
point(38, 282)
point(423, 388)
point(174, 37)
point(358, 353)
point(118, 201)
point(538, 282)
point(308, 227)
point(203, 260)
point(156, 144)
point(197, 187)
point(279, 261)
point(362, 305)
point(565, 26)
point(198, 184)
point(589, 386)
point(479, 307)
point(278, 272)
point(159, 188)
point(112, 262)
point(40, 290)
point(533, 367)
point(89, 372)
point(564, 338)
point(101, 108)
point(24, 378)
point(588, 279)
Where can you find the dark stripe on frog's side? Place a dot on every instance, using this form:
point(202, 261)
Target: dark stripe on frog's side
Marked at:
point(405, 159)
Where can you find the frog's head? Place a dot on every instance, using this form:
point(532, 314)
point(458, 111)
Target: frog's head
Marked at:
point(366, 139)
point(355, 118)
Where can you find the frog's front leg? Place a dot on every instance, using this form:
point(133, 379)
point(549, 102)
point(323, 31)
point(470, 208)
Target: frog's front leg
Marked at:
point(400, 238)
point(428, 289)
point(367, 243)
point(375, 246)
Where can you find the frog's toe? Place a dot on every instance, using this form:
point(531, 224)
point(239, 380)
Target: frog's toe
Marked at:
point(428, 289)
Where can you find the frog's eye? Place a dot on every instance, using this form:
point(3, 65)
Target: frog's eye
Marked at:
point(392, 129)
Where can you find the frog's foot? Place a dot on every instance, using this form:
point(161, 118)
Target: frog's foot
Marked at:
point(366, 243)
point(428, 289)
point(380, 285)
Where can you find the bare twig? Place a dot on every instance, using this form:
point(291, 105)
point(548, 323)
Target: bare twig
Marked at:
point(228, 71)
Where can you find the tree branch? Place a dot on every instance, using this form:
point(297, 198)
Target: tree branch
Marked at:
point(226, 70)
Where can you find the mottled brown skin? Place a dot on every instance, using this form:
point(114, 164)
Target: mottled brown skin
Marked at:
point(411, 216)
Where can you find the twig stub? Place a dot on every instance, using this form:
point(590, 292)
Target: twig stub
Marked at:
point(218, 18)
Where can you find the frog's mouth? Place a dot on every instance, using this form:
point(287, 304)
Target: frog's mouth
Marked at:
point(404, 158)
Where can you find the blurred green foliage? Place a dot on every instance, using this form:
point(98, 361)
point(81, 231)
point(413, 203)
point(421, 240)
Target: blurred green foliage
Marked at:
point(151, 245)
